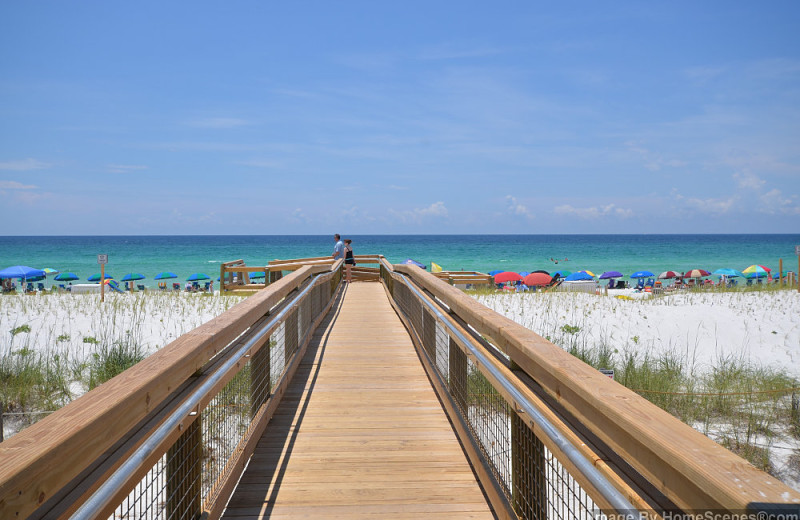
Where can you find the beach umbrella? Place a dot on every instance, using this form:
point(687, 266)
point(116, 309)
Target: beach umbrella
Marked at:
point(730, 273)
point(49, 270)
point(524, 273)
point(165, 275)
point(495, 272)
point(256, 275)
point(578, 277)
point(751, 276)
point(96, 277)
point(66, 277)
point(670, 274)
point(588, 272)
point(696, 273)
point(132, 276)
point(563, 273)
point(642, 274)
point(542, 271)
point(507, 276)
point(409, 261)
point(198, 276)
point(21, 272)
point(757, 269)
point(611, 274)
point(534, 279)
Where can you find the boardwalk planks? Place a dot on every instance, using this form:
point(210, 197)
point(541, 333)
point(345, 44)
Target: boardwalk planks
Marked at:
point(360, 433)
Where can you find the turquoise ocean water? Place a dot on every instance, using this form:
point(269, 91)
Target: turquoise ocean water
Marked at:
point(185, 255)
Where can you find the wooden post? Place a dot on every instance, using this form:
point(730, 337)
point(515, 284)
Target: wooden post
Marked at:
point(458, 376)
point(102, 282)
point(2, 410)
point(528, 471)
point(260, 382)
point(184, 461)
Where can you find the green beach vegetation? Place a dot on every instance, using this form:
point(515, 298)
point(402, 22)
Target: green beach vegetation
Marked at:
point(55, 347)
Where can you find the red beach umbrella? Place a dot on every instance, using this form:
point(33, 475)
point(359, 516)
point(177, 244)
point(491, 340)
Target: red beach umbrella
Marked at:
point(507, 276)
point(535, 279)
point(696, 273)
point(669, 274)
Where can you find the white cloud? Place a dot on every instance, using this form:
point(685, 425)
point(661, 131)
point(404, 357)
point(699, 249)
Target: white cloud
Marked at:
point(710, 206)
point(594, 211)
point(748, 181)
point(515, 208)
point(774, 202)
point(417, 215)
point(125, 168)
point(24, 165)
point(14, 185)
point(653, 161)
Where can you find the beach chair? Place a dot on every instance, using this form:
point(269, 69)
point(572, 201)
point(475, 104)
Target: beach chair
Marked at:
point(140, 287)
point(176, 286)
point(29, 287)
point(40, 286)
point(207, 286)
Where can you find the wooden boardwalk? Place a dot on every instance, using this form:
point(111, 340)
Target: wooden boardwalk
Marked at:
point(360, 433)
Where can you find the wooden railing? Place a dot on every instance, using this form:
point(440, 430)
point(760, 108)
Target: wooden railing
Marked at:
point(494, 375)
point(170, 436)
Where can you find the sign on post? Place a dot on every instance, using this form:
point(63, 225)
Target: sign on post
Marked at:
point(608, 372)
point(102, 260)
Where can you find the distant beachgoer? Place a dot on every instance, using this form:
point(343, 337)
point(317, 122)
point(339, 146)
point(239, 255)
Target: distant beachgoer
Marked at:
point(338, 249)
point(188, 286)
point(349, 260)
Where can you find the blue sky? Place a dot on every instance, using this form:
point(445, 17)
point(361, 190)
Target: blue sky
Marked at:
point(402, 117)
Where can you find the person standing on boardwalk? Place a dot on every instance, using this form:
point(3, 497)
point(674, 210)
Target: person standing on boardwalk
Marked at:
point(349, 260)
point(338, 249)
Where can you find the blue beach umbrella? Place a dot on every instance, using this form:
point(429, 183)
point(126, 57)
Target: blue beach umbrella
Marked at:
point(96, 277)
point(409, 261)
point(132, 276)
point(642, 274)
point(563, 273)
point(496, 271)
point(730, 273)
point(21, 272)
point(165, 275)
point(49, 271)
point(198, 276)
point(524, 273)
point(578, 277)
point(611, 274)
point(66, 277)
point(255, 276)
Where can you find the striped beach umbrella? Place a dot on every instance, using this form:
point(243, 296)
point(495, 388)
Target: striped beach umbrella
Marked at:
point(696, 273)
point(666, 275)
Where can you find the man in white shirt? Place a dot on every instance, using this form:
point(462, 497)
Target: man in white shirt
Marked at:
point(338, 249)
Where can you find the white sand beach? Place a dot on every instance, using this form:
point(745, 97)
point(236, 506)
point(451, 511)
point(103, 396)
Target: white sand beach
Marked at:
point(64, 322)
point(760, 327)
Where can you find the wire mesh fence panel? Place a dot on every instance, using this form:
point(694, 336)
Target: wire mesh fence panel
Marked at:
point(147, 501)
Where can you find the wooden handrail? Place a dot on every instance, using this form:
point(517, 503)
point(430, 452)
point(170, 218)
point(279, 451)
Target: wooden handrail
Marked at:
point(46, 457)
point(690, 469)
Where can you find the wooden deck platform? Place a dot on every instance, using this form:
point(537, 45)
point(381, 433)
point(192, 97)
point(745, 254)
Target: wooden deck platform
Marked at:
point(360, 433)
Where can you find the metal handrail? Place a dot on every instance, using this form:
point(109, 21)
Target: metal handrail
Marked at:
point(610, 493)
point(102, 498)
